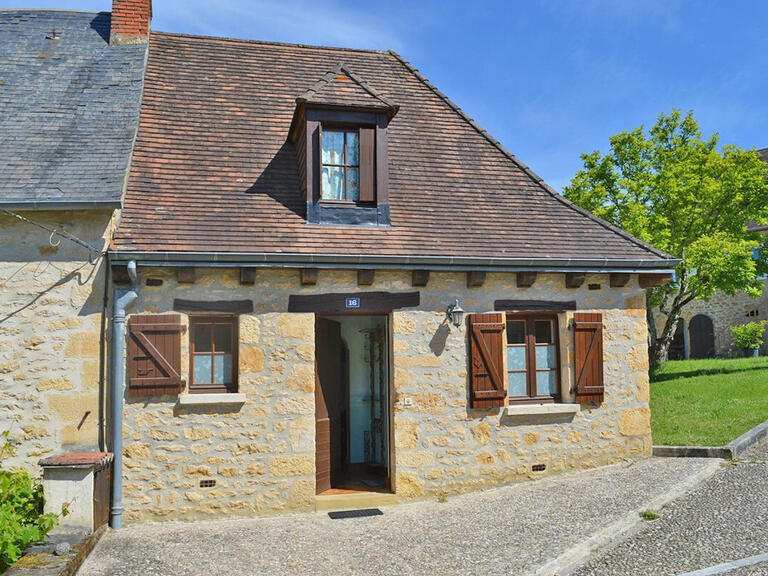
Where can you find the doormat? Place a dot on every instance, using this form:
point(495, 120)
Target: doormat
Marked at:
point(341, 514)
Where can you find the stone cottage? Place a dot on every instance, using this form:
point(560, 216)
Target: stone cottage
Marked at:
point(69, 108)
point(308, 281)
point(339, 291)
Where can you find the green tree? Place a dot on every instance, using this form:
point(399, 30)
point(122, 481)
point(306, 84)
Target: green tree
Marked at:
point(678, 192)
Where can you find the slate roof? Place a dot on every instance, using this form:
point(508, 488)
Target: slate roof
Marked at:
point(214, 176)
point(68, 109)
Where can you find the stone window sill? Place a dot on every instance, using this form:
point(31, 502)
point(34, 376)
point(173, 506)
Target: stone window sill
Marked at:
point(529, 409)
point(211, 399)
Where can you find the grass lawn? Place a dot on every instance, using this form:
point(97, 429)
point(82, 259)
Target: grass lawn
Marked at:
point(708, 402)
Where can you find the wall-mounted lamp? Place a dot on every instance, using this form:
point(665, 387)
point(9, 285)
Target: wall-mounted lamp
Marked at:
point(455, 314)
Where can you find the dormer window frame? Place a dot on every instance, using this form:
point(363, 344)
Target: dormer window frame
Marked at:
point(373, 211)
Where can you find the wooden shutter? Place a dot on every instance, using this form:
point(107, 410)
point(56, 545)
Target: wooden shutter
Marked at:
point(588, 352)
point(486, 346)
point(367, 164)
point(154, 354)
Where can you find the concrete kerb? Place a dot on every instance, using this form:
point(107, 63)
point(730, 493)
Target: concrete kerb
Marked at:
point(731, 450)
point(616, 531)
point(40, 560)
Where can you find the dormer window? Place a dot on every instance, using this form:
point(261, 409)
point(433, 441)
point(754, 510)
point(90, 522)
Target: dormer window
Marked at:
point(340, 171)
point(339, 129)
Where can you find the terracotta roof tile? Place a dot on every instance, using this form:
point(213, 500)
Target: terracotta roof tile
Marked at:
point(77, 459)
point(213, 169)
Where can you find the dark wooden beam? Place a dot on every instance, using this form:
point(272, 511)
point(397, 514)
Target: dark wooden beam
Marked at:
point(420, 277)
point(475, 278)
point(652, 280)
point(248, 276)
point(120, 274)
point(574, 279)
point(525, 279)
point(533, 305)
point(618, 279)
point(309, 276)
point(186, 275)
point(221, 306)
point(359, 302)
point(365, 277)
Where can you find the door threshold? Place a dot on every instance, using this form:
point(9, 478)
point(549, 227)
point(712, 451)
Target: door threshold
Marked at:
point(350, 499)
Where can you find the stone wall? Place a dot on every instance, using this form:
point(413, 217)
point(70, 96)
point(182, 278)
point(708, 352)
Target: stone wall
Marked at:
point(726, 311)
point(50, 314)
point(261, 453)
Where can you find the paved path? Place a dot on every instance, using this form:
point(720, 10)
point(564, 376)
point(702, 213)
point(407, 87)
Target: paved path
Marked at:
point(512, 530)
point(724, 519)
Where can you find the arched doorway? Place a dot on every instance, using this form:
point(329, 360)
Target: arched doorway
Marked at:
point(677, 347)
point(702, 335)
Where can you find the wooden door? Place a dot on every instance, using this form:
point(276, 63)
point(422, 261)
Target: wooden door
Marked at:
point(330, 375)
point(702, 336)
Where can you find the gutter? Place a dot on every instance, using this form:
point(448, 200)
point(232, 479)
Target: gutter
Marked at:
point(123, 299)
point(288, 260)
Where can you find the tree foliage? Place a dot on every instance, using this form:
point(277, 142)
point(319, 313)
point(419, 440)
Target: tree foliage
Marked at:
point(750, 335)
point(679, 192)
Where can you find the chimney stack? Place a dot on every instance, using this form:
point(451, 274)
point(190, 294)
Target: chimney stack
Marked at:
point(130, 21)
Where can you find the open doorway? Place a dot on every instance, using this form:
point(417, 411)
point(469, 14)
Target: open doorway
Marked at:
point(352, 403)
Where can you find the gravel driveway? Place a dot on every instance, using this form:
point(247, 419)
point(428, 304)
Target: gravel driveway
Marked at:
point(510, 530)
point(724, 519)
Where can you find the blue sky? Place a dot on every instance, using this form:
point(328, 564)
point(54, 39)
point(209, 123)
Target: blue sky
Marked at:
point(550, 79)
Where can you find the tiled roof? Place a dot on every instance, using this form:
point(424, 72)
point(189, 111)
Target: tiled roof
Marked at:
point(68, 108)
point(213, 170)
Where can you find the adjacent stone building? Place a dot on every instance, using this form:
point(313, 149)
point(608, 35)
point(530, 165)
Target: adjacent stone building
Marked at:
point(69, 108)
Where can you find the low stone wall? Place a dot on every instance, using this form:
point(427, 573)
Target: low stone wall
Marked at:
point(261, 454)
point(50, 333)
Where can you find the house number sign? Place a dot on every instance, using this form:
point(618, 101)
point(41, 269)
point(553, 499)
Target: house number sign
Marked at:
point(353, 303)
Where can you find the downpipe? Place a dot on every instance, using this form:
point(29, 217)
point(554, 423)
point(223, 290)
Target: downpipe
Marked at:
point(123, 299)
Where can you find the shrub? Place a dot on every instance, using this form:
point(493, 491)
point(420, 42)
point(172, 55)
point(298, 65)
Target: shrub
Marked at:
point(22, 521)
point(749, 335)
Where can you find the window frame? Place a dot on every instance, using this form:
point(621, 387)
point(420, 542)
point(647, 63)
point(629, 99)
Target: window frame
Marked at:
point(212, 320)
point(532, 396)
point(344, 128)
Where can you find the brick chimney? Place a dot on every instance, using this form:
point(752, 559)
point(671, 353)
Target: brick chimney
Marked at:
point(130, 21)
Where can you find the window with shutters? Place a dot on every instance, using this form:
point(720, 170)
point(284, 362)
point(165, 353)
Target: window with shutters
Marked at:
point(533, 358)
point(213, 354)
point(343, 165)
point(154, 354)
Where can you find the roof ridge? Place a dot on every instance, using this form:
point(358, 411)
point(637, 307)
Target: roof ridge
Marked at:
point(58, 10)
point(530, 173)
point(269, 43)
